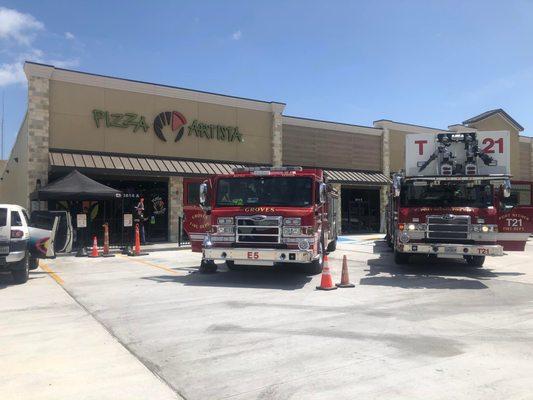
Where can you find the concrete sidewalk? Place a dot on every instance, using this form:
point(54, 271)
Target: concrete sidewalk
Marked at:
point(52, 348)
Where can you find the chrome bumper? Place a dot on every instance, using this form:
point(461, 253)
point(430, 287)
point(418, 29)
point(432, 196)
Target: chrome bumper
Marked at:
point(259, 256)
point(451, 249)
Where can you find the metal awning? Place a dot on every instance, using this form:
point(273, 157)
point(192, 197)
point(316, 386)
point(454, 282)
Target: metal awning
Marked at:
point(144, 165)
point(356, 177)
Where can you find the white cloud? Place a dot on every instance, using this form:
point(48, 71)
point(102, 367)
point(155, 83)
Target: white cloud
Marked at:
point(18, 26)
point(22, 29)
point(11, 74)
point(236, 35)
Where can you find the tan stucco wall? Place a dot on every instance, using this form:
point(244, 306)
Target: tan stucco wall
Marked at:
point(524, 173)
point(13, 187)
point(397, 149)
point(497, 123)
point(331, 149)
point(72, 125)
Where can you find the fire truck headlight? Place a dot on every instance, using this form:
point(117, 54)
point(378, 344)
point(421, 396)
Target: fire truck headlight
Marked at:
point(225, 229)
point(292, 231)
point(292, 221)
point(416, 227)
point(225, 221)
point(404, 237)
point(484, 228)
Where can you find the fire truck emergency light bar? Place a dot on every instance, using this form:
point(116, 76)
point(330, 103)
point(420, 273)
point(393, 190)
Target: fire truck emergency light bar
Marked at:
point(265, 170)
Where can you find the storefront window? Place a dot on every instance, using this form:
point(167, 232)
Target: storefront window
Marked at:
point(360, 210)
point(155, 215)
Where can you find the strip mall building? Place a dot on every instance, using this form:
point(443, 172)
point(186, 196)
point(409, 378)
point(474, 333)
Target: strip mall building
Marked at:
point(145, 138)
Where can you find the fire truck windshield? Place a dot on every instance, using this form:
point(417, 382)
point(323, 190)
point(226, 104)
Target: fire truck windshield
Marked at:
point(447, 194)
point(265, 191)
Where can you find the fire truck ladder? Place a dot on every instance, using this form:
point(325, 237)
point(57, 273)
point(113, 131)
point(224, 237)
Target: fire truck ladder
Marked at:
point(447, 158)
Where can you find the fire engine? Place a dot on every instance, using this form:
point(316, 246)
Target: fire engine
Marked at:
point(264, 216)
point(453, 199)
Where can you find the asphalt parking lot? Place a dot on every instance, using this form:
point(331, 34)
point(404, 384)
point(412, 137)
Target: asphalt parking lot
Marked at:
point(152, 327)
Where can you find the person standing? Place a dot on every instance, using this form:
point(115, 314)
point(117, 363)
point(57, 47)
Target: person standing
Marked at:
point(139, 213)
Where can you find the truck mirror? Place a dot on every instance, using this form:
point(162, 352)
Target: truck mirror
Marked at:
point(322, 193)
point(506, 188)
point(396, 184)
point(203, 194)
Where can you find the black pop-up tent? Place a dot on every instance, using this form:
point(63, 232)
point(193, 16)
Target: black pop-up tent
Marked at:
point(76, 186)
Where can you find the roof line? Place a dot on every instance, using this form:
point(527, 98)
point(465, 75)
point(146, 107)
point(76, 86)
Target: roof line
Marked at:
point(330, 122)
point(406, 123)
point(490, 113)
point(152, 83)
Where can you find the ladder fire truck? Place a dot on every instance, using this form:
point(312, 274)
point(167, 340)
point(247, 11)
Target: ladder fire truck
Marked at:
point(264, 216)
point(453, 199)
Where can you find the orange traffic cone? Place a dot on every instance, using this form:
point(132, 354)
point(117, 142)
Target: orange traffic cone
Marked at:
point(326, 283)
point(137, 249)
point(94, 252)
point(106, 253)
point(345, 279)
point(137, 243)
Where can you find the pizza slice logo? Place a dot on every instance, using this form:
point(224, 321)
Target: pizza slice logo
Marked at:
point(175, 120)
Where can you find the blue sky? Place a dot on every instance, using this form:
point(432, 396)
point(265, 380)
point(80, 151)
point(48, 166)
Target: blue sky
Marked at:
point(425, 62)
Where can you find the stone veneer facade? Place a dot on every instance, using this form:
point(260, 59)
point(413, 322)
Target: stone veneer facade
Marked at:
point(277, 134)
point(38, 128)
point(175, 206)
point(384, 190)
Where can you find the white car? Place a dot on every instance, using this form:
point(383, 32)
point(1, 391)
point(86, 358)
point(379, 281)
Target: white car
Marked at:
point(21, 245)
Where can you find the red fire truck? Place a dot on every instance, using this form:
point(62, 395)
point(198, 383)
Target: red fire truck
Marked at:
point(454, 199)
point(263, 216)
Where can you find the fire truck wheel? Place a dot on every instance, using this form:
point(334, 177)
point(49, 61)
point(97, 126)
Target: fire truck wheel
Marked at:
point(208, 267)
point(401, 258)
point(475, 261)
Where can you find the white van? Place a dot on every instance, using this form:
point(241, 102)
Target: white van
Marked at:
point(21, 245)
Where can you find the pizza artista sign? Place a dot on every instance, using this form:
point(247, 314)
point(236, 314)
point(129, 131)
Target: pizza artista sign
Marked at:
point(167, 123)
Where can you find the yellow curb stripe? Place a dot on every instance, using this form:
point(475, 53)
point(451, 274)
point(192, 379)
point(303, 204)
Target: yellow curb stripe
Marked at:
point(149, 263)
point(49, 271)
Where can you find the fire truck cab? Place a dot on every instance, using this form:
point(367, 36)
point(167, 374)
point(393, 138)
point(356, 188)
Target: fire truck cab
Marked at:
point(453, 199)
point(264, 216)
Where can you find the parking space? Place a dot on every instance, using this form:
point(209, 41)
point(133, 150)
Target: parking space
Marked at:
point(428, 330)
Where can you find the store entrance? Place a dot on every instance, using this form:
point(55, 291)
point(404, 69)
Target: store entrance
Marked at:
point(155, 194)
point(360, 210)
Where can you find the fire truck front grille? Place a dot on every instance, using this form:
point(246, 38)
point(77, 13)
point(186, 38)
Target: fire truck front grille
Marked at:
point(448, 226)
point(259, 229)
